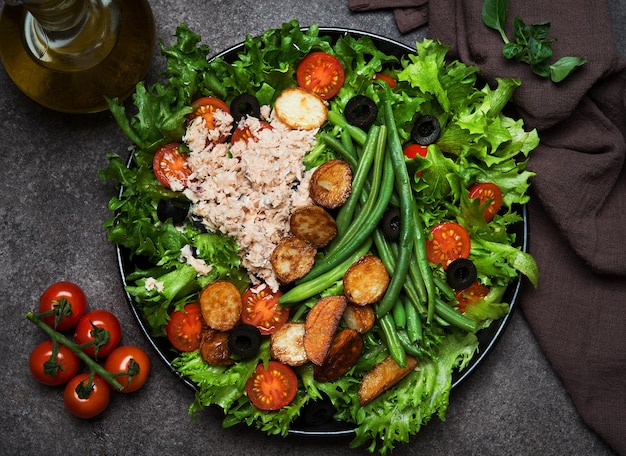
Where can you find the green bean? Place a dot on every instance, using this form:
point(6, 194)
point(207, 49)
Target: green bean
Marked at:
point(413, 322)
point(364, 231)
point(403, 187)
point(390, 335)
point(447, 290)
point(409, 347)
point(422, 262)
point(339, 120)
point(399, 314)
point(312, 287)
point(453, 317)
point(345, 214)
point(347, 143)
point(338, 147)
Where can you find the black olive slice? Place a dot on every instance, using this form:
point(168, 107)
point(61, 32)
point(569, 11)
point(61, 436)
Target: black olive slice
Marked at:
point(461, 273)
point(390, 224)
point(426, 130)
point(361, 111)
point(175, 210)
point(244, 341)
point(245, 105)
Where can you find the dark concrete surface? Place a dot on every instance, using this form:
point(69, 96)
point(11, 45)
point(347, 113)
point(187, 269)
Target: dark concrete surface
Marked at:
point(53, 205)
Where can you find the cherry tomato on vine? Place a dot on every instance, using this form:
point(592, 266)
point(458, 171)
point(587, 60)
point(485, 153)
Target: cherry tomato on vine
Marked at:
point(170, 166)
point(262, 309)
point(471, 295)
point(130, 359)
point(487, 191)
point(68, 301)
point(87, 401)
point(205, 107)
point(273, 388)
point(93, 326)
point(57, 371)
point(448, 241)
point(320, 73)
point(185, 328)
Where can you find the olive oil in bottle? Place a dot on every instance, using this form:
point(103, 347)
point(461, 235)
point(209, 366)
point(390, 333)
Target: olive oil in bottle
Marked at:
point(68, 55)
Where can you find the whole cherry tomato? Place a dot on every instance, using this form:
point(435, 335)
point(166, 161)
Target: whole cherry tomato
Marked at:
point(130, 359)
point(93, 326)
point(67, 300)
point(87, 400)
point(49, 371)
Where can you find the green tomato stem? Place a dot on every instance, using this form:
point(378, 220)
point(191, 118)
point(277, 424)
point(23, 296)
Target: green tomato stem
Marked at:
point(57, 337)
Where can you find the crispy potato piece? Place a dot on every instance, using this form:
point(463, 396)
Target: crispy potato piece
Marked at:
point(331, 184)
point(320, 326)
point(314, 225)
point(366, 281)
point(214, 347)
point(287, 344)
point(345, 349)
point(300, 109)
point(292, 259)
point(359, 318)
point(382, 377)
point(220, 305)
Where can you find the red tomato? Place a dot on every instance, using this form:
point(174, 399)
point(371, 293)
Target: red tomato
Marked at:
point(185, 328)
point(55, 371)
point(320, 73)
point(170, 165)
point(487, 191)
point(412, 150)
point(245, 133)
point(132, 360)
point(262, 309)
point(449, 241)
point(83, 401)
point(93, 326)
point(471, 295)
point(68, 302)
point(273, 388)
point(385, 77)
point(205, 107)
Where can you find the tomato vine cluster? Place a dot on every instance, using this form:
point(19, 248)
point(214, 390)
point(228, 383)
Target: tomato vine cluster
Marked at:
point(95, 341)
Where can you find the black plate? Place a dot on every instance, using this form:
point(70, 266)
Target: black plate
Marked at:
point(317, 420)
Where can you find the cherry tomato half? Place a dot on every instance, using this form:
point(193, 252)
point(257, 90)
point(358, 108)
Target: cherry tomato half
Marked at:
point(273, 388)
point(385, 77)
point(413, 150)
point(83, 401)
point(320, 73)
point(130, 359)
point(471, 295)
point(170, 166)
point(185, 328)
point(68, 301)
point(262, 309)
point(205, 107)
point(487, 191)
point(245, 134)
point(94, 323)
point(50, 371)
point(449, 241)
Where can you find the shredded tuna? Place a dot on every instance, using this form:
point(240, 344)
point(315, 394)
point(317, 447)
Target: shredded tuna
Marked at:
point(186, 256)
point(249, 190)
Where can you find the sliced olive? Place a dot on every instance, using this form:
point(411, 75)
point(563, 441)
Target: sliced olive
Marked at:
point(461, 273)
point(390, 224)
point(244, 341)
point(175, 210)
point(245, 105)
point(426, 130)
point(361, 111)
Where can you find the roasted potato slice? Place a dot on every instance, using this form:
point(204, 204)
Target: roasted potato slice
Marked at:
point(214, 347)
point(287, 344)
point(345, 349)
point(220, 305)
point(382, 377)
point(314, 225)
point(320, 326)
point(331, 184)
point(292, 259)
point(359, 318)
point(300, 109)
point(366, 280)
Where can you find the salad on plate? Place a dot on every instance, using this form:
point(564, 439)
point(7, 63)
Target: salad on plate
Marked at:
point(310, 218)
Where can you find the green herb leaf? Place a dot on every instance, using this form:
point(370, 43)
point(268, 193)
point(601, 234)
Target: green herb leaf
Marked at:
point(494, 14)
point(564, 66)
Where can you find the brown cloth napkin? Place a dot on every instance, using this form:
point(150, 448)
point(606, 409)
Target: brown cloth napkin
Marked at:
point(577, 214)
point(408, 14)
